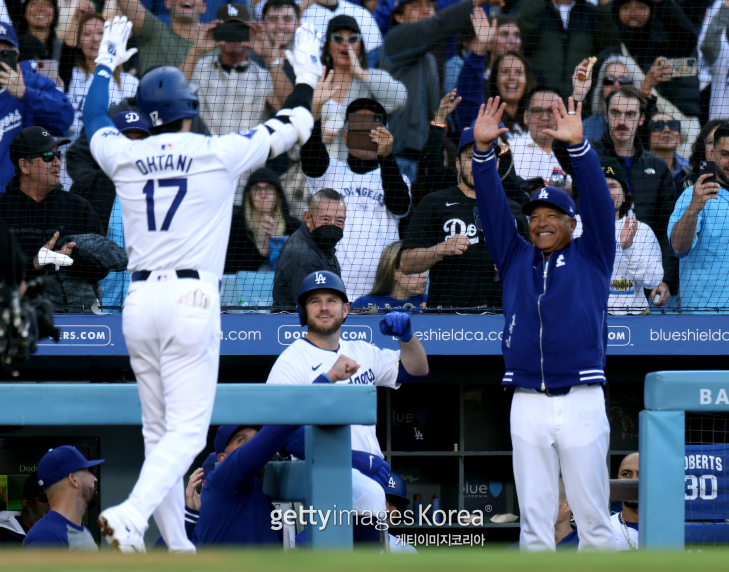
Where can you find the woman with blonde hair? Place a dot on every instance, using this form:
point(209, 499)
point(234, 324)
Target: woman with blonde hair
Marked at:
point(392, 287)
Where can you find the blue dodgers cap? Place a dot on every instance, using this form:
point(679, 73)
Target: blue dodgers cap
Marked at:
point(396, 487)
point(551, 196)
point(466, 139)
point(127, 120)
point(224, 435)
point(208, 465)
point(60, 462)
point(7, 34)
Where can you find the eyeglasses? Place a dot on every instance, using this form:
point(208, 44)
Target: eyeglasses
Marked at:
point(48, 156)
point(611, 79)
point(673, 125)
point(339, 39)
point(541, 111)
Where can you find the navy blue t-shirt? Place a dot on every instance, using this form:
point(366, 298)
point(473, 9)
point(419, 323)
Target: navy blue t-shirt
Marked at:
point(56, 531)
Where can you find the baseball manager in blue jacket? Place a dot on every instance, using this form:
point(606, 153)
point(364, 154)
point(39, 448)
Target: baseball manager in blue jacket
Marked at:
point(555, 303)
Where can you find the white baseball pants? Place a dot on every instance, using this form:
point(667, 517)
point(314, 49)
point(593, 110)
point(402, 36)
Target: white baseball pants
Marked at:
point(172, 332)
point(571, 434)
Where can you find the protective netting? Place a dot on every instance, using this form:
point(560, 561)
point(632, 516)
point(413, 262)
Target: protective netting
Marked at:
point(387, 159)
point(707, 455)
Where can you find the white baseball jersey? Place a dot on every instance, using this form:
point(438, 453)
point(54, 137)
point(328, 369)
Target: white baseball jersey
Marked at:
point(302, 362)
point(369, 228)
point(176, 192)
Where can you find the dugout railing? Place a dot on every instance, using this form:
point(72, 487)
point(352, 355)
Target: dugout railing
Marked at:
point(668, 396)
point(327, 411)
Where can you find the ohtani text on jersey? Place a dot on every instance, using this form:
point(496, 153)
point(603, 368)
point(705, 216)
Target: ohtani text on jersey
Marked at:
point(159, 163)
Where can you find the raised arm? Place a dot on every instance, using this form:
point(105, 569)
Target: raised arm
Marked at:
point(498, 224)
point(135, 12)
point(682, 232)
point(597, 208)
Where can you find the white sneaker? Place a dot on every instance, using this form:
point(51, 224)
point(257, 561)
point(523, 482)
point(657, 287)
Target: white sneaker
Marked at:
point(120, 533)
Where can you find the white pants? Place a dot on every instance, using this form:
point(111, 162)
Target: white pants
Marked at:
point(367, 495)
point(568, 433)
point(172, 332)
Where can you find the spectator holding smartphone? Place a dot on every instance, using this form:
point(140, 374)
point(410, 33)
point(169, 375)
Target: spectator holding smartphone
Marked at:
point(376, 194)
point(233, 89)
point(698, 234)
point(26, 98)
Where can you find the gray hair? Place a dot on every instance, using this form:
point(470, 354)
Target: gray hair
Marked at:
point(598, 101)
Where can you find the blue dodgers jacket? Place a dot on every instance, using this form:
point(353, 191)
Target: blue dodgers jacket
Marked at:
point(233, 508)
point(43, 104)
point(555, 332)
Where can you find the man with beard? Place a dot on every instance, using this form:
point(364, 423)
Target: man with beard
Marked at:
point(325, 357)
point(14, 525)
point(533, 156)
point(442, 237)
point(625, 522)
point(698, 235)
point(273, 37)
point(71, 489)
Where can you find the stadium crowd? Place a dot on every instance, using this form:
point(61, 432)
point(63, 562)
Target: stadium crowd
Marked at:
point(382, 194)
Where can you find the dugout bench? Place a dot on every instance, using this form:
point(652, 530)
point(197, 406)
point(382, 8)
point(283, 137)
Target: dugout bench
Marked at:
point(324, 480)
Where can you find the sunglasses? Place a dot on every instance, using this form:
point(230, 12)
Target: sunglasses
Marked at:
point(673, 125)
point(611, 79)
point(339, 39)
point(48, 156)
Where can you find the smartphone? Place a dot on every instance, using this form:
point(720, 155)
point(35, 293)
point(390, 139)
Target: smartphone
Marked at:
point(49, 68)
point(683, 67)
point(232, 32)
point(359, 126)
point(10, 58)
point(710, 168)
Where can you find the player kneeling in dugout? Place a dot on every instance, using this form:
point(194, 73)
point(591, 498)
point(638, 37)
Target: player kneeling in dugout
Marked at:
point(323, 356)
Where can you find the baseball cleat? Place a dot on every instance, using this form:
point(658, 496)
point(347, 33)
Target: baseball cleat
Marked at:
point(121, 534)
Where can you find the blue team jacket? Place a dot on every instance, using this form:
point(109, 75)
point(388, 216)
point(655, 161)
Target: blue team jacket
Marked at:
point(43, 104)
point(555, 332)
point(233, 508)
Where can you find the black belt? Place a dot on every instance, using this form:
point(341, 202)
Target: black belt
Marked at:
point(144, 274)
point(557, 391)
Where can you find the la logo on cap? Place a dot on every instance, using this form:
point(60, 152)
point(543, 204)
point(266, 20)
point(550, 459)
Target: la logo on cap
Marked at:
point(3, 29)
point(232, 10)
point(543, 194)
point(391, 483)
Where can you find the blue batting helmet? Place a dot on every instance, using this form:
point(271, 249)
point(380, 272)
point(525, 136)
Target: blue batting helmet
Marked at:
point(320, 280)
point(164, 95)
point(396, 488)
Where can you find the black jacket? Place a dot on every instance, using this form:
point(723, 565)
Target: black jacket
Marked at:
point(34, 224)
point(654, 194)
point(89, 181)
point(243, 254)
point(299, 258)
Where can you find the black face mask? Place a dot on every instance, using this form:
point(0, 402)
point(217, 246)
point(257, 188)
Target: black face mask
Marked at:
point(327, 236)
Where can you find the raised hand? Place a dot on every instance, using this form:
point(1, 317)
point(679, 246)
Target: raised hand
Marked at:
point(113, 48)
point(355, 68)
point(627, 233)
point(384, 140)
point(487, 128)
point(192, 497)
point(304, 57)
point(582, 80)
point(485, 32)
point(323, 92)
point(703, 192)
point(569, 123)
point(447, 104)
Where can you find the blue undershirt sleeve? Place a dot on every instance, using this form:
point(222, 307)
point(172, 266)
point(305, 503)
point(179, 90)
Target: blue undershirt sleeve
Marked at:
point(97, 103)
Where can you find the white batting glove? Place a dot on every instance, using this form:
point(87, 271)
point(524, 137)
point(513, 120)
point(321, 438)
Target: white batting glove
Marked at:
point(113, 48)
point(305, 56)
point(46, 256)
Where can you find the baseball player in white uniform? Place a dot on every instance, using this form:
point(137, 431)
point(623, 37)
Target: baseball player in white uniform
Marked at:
point(324, 357)
point(176, 190)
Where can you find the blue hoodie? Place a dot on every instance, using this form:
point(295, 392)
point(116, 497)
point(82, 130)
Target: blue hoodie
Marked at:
point(555, 332)
point(42, 104)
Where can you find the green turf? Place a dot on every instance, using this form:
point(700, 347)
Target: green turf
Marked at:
point(435, 560)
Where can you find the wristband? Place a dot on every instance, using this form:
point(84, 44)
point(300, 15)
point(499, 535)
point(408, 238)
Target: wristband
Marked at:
point(435, 253)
